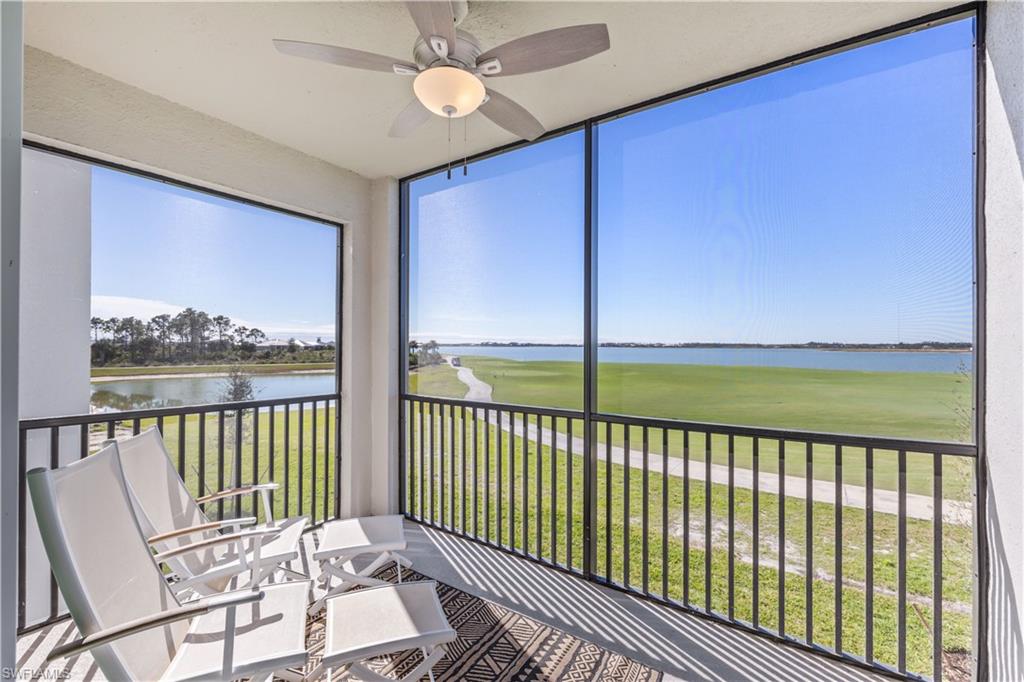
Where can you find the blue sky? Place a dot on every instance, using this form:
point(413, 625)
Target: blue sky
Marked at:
point(832, 201)
point(158, 248)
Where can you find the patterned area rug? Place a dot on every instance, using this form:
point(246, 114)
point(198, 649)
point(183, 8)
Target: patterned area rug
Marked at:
point(498, 644)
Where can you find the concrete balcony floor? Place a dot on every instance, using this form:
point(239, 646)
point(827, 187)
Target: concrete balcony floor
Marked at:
point(683, 646)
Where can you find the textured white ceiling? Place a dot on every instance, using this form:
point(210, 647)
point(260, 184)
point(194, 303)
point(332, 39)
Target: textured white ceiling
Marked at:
point(217, 58)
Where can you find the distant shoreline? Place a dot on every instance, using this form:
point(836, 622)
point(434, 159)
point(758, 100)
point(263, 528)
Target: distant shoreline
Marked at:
point(870, 348)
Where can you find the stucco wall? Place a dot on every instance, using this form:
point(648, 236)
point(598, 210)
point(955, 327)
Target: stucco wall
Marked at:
point(1004, 421)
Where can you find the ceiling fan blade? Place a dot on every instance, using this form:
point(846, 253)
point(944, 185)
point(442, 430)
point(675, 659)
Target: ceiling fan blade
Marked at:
point(511, 116)
point(434, 18)
point(548, 49)
point(342, 56)
point(409, 119)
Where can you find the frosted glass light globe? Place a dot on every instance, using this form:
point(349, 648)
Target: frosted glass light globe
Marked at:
point(449, 91)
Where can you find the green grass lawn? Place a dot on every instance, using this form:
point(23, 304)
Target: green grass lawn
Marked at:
point(253, 368)
point(916, 405)
point(305, 475)
point(515, 515)
point(439, 380)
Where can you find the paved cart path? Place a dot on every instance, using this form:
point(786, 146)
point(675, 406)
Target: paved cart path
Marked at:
point(885, 501)
point(478, 391)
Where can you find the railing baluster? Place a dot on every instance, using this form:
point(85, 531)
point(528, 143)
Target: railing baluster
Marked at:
point(937, 522)
point(627, 464)
point(432, 450)
point(327, 454)
point(302, 455)
point(312, 472)
point(645, 519)
point(554, 491)
point(569, 511)
point(181, 445)
point(809, 544)
point(201, 482)
point(869, 555)
point(487, 475)
point(136, 426)
point(441, 460)
point(755, 596)
point(608, 500)
point(422, 508)
point(255, 459)
point(901, 570)
point(512, 480)
point(272, 451)
point(83, 441)
point(451, 467)
point(220, 462)
point(839, 550)
point(686, 517)
point(237, 502)
point(782, 538)
point(664, 513)
point(476, 474)
point(538, 514)
point(732, 528)
point(499, 482)
point(110, 429)
point(287, 458)
point(54, 464)
point(462, 456)
point(526, 484)
point(160, 425)
point(707, 521)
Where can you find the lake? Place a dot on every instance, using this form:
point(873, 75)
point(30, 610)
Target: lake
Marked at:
point(802, 358)
point(126, 394)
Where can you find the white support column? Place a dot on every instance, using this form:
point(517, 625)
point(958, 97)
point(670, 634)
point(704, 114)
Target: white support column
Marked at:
point(356, 376)
point(1004, 337)
point(384, 388)
point(10, 233)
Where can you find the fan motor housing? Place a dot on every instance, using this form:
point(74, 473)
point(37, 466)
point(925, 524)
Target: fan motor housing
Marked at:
point(467, 49)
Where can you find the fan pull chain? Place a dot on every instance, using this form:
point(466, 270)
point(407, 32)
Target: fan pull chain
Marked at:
point(449, 146)
point(465, 137)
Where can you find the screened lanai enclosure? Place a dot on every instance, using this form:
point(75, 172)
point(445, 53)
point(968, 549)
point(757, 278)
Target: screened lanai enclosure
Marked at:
point(689, 351)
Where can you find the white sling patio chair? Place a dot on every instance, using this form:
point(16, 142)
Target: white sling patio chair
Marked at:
point(171, 519)
point(128, 617)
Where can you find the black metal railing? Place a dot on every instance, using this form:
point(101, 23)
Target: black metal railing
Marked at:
point(855, 547)
point(289, 441)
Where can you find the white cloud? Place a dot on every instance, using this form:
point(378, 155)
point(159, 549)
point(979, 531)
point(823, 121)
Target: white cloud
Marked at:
point(127, 306)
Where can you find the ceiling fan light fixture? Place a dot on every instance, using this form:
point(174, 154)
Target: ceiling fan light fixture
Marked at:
point(449, 91)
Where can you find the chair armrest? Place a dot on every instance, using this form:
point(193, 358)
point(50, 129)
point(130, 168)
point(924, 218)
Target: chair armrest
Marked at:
point(155, 620)
point(232, 492)
point(192, 530)
point(213, 542)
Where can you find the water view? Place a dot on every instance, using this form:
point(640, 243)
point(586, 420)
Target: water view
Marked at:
point(800, 358)
point(143, 392)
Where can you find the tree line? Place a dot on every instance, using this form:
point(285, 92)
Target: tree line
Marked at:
point(192, 336)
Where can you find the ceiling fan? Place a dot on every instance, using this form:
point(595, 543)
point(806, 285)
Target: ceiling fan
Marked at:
point(449, 66)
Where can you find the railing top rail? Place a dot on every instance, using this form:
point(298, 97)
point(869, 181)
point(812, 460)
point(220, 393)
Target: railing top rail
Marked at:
point(181, 410)
point(818, 437)
point(504, 407)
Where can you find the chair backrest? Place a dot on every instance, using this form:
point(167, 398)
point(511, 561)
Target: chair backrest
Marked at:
point(162, 502)
point(102, 564)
